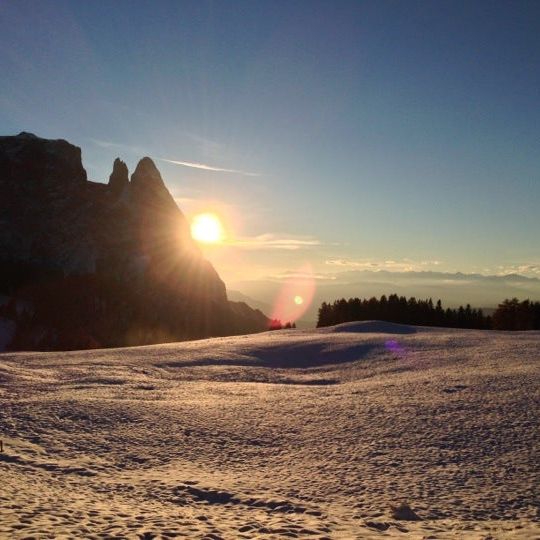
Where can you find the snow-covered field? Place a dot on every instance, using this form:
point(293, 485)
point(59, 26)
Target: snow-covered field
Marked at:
point(289, 434)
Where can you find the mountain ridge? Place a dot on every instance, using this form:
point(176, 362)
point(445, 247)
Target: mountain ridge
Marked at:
point(122, 251)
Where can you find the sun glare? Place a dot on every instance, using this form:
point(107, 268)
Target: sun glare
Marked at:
point(207, 228)
point(298, 300)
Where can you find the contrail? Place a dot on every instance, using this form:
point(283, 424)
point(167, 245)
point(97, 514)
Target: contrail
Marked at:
point(208, 167)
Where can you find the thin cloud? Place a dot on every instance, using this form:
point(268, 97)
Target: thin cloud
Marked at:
point(105, 144)
point(194, 165)
point(302, 276)
point(203, 142)
point(527, 269)
point(205, 167)
point(125, 147)
point(271, 241)
point(404, 265)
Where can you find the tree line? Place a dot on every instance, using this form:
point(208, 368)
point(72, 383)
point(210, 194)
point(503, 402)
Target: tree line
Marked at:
point(511, 314)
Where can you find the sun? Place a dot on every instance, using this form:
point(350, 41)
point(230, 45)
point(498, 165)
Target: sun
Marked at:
point(298, 300)
point(207, 228)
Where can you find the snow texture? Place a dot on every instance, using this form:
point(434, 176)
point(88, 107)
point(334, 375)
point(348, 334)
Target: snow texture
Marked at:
point(364, 430)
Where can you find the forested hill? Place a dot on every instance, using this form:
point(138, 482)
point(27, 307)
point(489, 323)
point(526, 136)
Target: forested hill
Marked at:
point(509, 315)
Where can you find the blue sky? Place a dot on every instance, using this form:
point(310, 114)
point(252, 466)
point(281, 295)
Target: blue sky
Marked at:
point(378, 135)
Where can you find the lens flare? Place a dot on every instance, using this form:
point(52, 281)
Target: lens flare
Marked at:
point(395, 348)
point(295, 296)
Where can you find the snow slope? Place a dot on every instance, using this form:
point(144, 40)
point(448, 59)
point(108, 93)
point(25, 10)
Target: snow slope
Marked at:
point(288, 434)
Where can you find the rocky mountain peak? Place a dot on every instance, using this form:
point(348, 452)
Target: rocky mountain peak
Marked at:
point(119, 179)
point(146, 175)
point(26, 135)
point(148, 192)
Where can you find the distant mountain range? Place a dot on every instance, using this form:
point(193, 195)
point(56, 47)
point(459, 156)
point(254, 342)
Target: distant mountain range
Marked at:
point(461, 276)
point(454, 289)
point(86, 264)
point(237, 296)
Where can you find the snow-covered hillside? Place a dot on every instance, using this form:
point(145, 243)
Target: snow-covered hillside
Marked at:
point(288, 434)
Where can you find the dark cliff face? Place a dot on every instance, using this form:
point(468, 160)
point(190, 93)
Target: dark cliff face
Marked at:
point(119, 180)
point(162, 228)
point(40, 163)
point(43, 203)
point(102, 264)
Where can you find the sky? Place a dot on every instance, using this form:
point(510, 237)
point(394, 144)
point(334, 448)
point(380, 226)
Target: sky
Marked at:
point(330, 137)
